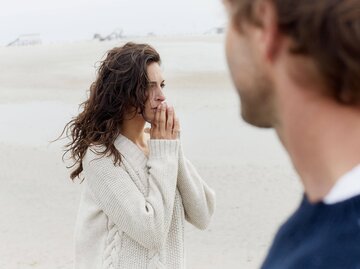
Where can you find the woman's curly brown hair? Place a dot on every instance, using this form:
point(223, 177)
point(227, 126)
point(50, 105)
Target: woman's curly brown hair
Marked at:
point(121, 85)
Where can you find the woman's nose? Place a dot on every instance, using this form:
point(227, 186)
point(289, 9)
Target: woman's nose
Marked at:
point(160, 97)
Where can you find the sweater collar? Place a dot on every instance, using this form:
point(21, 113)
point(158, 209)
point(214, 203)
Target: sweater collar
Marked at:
point(131, 151)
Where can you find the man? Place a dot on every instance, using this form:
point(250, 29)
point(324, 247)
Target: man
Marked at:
point(296, 67)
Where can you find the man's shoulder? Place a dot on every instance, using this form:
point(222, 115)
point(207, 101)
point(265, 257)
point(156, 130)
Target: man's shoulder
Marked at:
point(319, 236)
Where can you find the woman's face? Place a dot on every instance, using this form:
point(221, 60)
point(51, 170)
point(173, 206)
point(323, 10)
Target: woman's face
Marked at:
point(155, 88)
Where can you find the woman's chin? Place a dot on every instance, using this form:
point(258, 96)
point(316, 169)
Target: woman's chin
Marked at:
point(149, 115)
point(148, 119)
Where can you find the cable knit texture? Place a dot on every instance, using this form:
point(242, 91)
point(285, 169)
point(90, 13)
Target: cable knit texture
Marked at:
point(132, 215)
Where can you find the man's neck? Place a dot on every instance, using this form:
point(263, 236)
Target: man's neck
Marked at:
point(322, 138)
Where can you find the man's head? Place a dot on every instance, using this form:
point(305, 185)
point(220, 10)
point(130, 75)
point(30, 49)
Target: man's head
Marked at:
point(304, 42)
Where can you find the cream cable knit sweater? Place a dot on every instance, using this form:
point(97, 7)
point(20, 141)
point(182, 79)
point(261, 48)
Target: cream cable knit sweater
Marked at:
point(132, 216)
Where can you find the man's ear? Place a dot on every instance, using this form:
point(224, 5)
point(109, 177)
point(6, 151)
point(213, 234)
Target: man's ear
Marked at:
point(269, 39)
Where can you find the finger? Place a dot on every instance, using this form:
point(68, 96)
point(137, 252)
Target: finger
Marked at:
point(153, 122)
point(157, 116)
point(170, 120)
point(173, 131)
point(162, 120)
point(174, 118)
point(176, 129)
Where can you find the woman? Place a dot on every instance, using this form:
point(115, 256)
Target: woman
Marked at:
point(139, 187)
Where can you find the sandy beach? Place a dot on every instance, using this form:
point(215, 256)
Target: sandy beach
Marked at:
point(41, 88)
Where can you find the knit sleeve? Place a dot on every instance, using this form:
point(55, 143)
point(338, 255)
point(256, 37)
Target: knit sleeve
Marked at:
point(198, 198)
point(145, 219)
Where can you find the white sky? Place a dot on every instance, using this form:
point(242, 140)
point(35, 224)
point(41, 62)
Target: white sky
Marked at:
point(65, 20)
